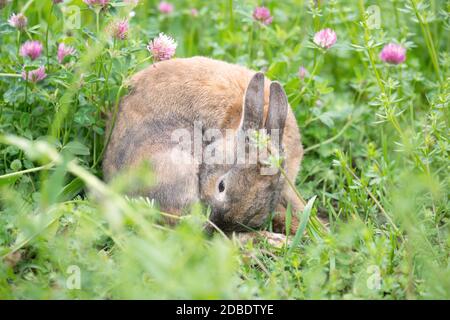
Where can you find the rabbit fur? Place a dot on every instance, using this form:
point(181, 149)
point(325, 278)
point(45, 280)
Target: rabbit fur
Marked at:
point(177, 93)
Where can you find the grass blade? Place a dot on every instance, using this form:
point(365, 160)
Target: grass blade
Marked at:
point(303, 223)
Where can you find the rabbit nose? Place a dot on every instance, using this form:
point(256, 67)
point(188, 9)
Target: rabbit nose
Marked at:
point(210, 227)
point(215, 221)
point(216, 218)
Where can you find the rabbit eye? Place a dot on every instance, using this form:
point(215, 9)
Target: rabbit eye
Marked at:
point(221, 186)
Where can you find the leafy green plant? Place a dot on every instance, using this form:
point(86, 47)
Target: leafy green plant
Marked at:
point(375, 136)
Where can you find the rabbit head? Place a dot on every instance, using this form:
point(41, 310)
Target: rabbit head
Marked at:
point(241, 194)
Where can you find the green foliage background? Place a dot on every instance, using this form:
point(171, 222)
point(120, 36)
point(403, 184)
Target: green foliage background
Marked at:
point(375, 135)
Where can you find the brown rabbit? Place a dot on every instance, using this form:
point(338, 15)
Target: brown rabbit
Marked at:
point(175, 95)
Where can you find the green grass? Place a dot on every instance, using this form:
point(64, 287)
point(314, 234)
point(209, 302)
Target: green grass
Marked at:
point(375, 135)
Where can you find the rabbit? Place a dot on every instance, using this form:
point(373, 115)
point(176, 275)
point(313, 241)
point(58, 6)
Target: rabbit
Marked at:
point(175, 95)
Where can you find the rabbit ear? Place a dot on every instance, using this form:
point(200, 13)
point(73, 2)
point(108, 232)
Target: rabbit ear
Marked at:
point(278, 107)
point(252, 115)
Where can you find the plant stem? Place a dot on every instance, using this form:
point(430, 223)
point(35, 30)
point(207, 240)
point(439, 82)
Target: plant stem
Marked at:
point(19, 173)
point(250, 44)
point(10, 75)
point(18, 43)
point(97, 20)
point(375, 200)
point(230, 13)
point(330, 139)
point(113, 122)
point(428, 40)
point(46, 35)
point(311, 76)
point(26, 88)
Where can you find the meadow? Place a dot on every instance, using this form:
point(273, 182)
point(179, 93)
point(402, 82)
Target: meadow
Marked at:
point(371, 97)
